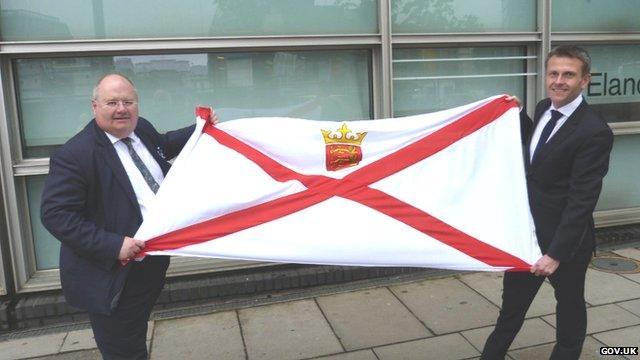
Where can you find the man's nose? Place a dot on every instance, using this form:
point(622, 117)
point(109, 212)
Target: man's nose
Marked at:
point(561, 79)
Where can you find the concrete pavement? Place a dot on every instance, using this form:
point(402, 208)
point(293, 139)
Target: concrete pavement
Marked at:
point(405, 317)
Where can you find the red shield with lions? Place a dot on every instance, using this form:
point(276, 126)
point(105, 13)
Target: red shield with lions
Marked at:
point(340, 156)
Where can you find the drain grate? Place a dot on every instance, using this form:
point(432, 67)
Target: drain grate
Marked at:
point(19, 334)
point(615, 264)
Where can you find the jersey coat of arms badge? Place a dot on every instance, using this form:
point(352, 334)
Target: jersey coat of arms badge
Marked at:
point(342, 147)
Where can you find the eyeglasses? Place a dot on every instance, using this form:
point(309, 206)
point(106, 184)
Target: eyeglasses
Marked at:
point(112, 104)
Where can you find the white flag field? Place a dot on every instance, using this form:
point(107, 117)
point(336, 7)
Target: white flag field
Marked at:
point(442, 190)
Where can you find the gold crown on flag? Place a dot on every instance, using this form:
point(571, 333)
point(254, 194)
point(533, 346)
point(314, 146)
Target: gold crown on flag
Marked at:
point(343, 136)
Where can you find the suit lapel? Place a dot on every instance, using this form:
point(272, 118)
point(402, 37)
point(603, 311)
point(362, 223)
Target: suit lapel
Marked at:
point(109, 156)
point(156, 152)
point(540, 108)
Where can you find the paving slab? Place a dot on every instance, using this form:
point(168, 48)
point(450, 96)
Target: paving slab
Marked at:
point(354, 355)
point(632, 253)
point(93, 354)
point(631, 305)
point(633, 277)
point(84, 340)
point(533, 332)
point(79, 340)
point(291, 330)
point(604, 288)
point(31, 346)
point(367, 318)
point(622, 337)
point(489, 285)
point(451, 346)
point(604, 317)
point(590, 351)
point(212, 336)
point(446, 305)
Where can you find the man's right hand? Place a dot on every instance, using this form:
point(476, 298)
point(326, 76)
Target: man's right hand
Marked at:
point(130, 248)
point(513, 98)
point(545, 266)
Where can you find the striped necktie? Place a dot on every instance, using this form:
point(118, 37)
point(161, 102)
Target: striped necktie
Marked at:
point(144, 170)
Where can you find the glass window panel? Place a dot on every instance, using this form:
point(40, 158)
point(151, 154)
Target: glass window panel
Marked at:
point(443, 16)
point(427, 80)
point(615, 81)
point(589, 15)
point(22, 20)
point(46, 247)
point(621, 188)
point(54, 93)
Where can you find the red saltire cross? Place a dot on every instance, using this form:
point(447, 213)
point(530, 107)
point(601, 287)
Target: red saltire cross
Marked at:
point(355, 187)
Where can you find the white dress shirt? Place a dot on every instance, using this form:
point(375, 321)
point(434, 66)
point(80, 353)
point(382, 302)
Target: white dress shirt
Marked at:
point(144, 194)
point(566, 111)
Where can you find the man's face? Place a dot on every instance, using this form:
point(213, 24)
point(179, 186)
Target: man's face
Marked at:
point(116, 106)
point(565, 80)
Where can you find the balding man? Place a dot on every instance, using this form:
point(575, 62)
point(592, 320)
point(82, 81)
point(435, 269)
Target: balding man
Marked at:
point(95, 197)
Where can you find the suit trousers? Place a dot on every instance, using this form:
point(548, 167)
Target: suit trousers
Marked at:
point(123, 334)
point(520, 288)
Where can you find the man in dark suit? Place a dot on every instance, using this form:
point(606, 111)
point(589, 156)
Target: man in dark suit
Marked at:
point(95, 197)
point(567, 156)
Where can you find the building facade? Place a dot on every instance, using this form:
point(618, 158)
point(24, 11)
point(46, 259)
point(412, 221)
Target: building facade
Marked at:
point(316, 59)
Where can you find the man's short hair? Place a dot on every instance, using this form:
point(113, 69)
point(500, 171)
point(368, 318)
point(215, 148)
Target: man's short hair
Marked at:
point(94, 95)
point(573, 52)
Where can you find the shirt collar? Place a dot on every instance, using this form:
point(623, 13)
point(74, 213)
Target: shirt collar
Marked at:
point(568, 109)
point(114, 139)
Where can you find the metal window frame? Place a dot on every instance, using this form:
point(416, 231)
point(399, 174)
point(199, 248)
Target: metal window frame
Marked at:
point(77, 47)
point(3, 233)
point(602, 218)
point(614, 217)
point(3, 283)
point(6, 160)
point(386, 55)
point(3, 209)
point(586, 39)
point(16, 169)
point(530, 71)
point(21, 253)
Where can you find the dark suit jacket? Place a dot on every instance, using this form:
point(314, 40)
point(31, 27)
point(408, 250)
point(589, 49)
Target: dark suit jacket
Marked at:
point(565, 179)
point(88, 203)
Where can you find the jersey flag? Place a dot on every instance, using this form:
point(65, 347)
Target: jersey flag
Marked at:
point(443, 190)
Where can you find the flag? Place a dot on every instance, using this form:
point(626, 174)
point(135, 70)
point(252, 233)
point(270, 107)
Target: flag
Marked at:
point(443, 190)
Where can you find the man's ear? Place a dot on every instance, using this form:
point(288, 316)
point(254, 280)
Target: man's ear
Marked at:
point(586, 79)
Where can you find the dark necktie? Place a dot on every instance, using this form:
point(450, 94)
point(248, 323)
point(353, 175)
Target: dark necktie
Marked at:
point(144, 170)
point(546, 132)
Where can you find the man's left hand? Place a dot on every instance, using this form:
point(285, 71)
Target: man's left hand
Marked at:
point(545, 266)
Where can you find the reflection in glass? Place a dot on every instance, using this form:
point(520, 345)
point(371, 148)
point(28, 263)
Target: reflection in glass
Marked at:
point(443, 16)
point(46, 247)
point(589, 15)
point(54, 93)
point(621, 188)
point(28, 20)
point(427, 80)
point(615, 81)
